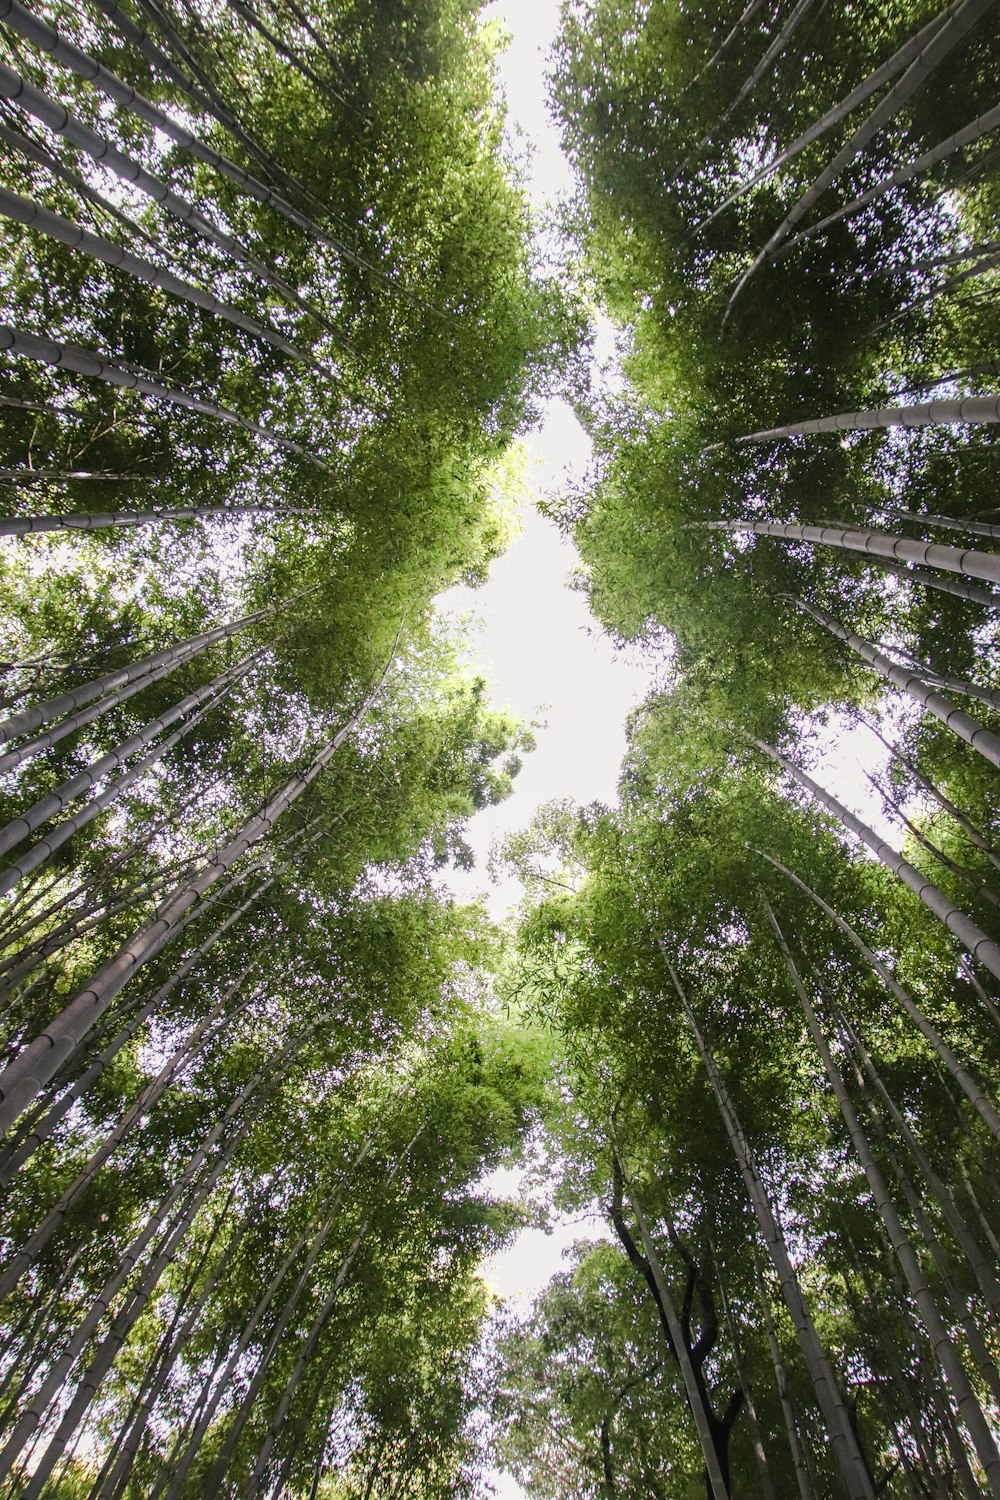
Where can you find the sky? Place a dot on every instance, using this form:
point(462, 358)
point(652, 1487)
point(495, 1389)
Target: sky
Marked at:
point(549, 662)
point(544, 655)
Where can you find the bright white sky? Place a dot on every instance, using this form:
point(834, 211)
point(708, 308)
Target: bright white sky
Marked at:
point(544, 656)
point(549, 661)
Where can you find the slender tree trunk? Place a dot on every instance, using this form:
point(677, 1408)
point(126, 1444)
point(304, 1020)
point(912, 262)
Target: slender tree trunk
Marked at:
point(806, 1490)
point(38, 855)
point(292, 58)
point(246, 1336)
point(747, 14)
point(954, 718)
point(144, 892)
point(960, 685)
point(850, 1463)
point(23, 1078)
point(867, 1314)
point(73, 476)
point(972, 833)
point(971, 881)
point(317, 1476)
point(717, 1486)
point(9, 1012)
point(610, 1490)
point(68, 703)
point(48, 40)
point(773, 52)
point(959, 1457)
point(102, 520)
point(211, 1403)
point(157, 14)
point(300, 1426)
point(962, 1077)
point(967, 136)
point(165, 1467)
point(221, 1467)
point(756, 1435)
point(329, 57)
point(203, 93)
point(899, 60)
point(14, 759)
point(122, 1452)
point(978, 1263)
point(253, 1487)
point(977, 1207)
point(58, 119)
point(971, 273)
point(94, 366)
point(975, 410)
point(944, 1349)
point(989, 367)
point(33, 1332)
point(56, 802)
point(29, 910)
point(958, 1301)
point(80, 923)
point(193, 708)
point(953, 28)
point(268, 1075)
point(932, 1389)
point(954, 258)
point(140, 893)
point(86, 915)
point(33, 1415)
point(982, 948)
point(976, 984)
point(24, 405)
point(877, 543)
point(29, 147)
point(43, 1127)
point(56, 227)
point(57, 664)
point(22, 1261)
point(955, 586)
point(111, 1344)
point(944, 523)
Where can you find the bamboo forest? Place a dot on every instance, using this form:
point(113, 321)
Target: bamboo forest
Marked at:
point(279, 317)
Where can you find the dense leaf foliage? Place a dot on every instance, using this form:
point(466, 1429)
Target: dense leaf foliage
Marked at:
point(274, 317)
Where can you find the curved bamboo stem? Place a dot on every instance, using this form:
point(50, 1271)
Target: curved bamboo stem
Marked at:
point(960, 1074)
point(941, 1342)
point(29, 1072)
point(968, 562)
point(962, 16)
point(85, 362)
